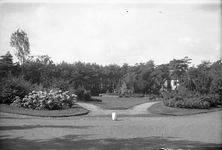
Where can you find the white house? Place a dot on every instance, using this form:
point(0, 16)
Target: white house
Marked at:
point(170, 84)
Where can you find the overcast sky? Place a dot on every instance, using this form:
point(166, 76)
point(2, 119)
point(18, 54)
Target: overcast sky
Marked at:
point(115, 31)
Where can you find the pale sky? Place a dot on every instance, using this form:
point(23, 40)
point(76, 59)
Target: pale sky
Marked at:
point(115, 31)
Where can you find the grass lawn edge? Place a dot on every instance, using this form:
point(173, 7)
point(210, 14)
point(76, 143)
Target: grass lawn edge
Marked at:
point(105, 107)
point(75, 111)
point(122, 106)
point(159, 108)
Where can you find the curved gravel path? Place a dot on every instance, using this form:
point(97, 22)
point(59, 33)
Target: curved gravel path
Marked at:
point(96, 110)
point(97, 132)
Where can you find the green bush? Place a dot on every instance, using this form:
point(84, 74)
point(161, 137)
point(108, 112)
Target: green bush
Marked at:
point(54, 100)
point(212, 99)
point(191, 100)
point(220, 94)
point(39, 87)
point(87, 95)
point(83, 94)
point(60, 83)
point(12, 87)
point(80, 93)
point(153, 97)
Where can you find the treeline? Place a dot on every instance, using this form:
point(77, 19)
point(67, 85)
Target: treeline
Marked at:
point(144, 78)
point(177, 83)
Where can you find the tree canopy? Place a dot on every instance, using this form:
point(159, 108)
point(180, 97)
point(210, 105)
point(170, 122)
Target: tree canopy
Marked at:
point(20, 41)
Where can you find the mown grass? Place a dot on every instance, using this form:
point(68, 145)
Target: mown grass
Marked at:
point(76, 110)
point(159, 108)
point(108, 103)
point(119, 103)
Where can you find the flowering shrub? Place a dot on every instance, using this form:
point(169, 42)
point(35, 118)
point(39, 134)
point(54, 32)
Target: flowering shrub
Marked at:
point(54, 100)
point(191, 100)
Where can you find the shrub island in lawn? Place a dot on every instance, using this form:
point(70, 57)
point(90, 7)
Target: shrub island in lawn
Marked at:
point(179, 103)
point(39, 103)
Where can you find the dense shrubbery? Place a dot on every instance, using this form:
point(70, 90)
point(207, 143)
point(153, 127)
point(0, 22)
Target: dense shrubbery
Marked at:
point(14, 86)
point(191, 100)
point(18, 92)
point(220, 94)
point(54, 100)
point(153, 97)
point(40, 74)
point(60, 84)
point(83, 94)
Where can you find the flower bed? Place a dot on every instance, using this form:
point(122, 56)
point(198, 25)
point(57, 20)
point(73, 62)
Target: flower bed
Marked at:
point(39, 100)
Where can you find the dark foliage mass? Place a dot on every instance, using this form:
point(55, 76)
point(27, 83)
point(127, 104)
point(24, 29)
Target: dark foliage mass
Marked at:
point(84, 79)
point(196, 86)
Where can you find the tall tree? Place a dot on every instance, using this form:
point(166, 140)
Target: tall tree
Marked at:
point(215, 73)
point(6, 64)
point(178, 67)
point(159, 75)
point(20, 41)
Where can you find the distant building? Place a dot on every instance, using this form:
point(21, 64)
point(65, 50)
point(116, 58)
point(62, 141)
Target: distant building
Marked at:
point(170, 83)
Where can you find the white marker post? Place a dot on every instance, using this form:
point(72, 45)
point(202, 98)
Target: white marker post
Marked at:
point(114, 116)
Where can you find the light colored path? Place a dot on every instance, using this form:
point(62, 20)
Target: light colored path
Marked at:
point(95, 110)
point(94, 131)
point(185, 132)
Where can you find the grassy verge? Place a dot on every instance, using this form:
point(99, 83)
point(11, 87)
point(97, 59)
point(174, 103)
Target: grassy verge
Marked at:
point(76, 110)
point(159, 108)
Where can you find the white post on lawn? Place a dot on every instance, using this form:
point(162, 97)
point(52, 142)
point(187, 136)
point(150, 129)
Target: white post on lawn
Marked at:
point(114, 116)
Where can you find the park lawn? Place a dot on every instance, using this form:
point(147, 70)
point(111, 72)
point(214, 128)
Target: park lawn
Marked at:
point(119, 103)
point(159, 108)
point(115, 103)
point(76, 110)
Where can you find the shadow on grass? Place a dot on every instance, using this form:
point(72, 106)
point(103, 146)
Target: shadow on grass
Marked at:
point(25, 127)
point(77, 142)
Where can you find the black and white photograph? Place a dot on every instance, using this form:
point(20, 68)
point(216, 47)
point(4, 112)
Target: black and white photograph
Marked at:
point(110, 74)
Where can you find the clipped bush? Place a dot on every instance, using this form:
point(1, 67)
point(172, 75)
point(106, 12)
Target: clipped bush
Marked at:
point(54, 100)
point(12, 87)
